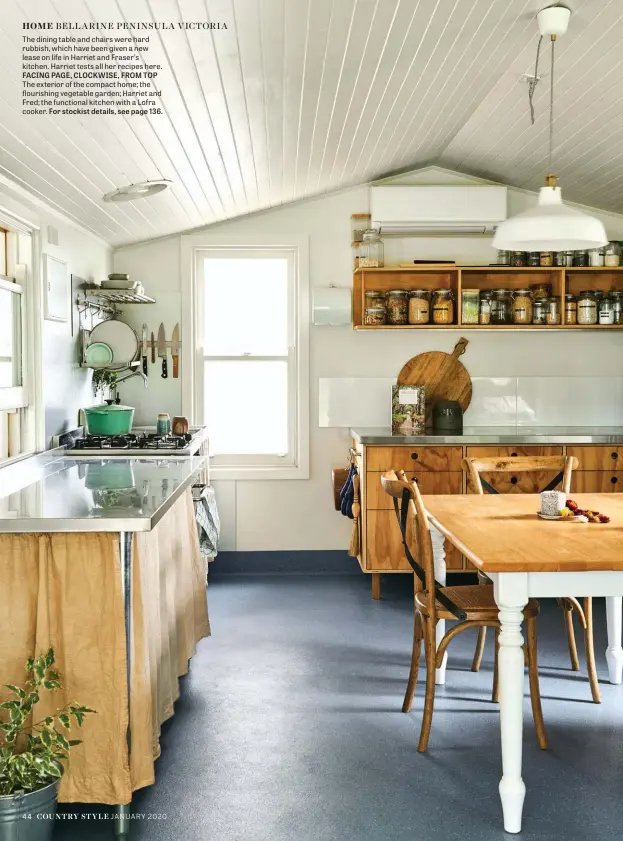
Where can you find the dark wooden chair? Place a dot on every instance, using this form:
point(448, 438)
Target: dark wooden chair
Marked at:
point(473, 605)
point(564, 467)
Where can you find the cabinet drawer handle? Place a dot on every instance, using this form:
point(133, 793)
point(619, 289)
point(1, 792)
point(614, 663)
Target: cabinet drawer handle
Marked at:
point(614, 480)
point(513, 455)
point(414, 456)
point(514, 480)
point(614, 456)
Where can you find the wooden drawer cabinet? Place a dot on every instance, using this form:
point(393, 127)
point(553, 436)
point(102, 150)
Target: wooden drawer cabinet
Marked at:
point(596, 481)
point(428, 483)
point(505, 452)
point(384, 545)
point(598, 458)
point(526, 483)
point(411, 459)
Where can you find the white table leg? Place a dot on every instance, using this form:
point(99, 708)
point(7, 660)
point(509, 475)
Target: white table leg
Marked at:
point(614, 652)
point(439, 555)
point(511, 600)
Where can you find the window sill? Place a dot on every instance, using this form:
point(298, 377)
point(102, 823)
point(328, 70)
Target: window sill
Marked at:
point(257, 473)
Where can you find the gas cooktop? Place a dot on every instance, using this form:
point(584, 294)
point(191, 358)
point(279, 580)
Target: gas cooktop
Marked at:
point(144, 441)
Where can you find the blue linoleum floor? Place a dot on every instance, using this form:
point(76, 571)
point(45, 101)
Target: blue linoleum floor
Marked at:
point(289, 729)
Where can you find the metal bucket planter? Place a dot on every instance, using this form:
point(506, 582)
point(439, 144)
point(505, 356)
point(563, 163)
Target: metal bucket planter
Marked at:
point(29, 817)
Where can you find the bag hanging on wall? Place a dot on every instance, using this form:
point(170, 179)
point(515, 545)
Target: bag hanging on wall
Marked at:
point(347, 493)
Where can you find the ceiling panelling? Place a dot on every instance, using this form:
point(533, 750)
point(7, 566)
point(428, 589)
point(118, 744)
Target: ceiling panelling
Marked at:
point(300, 97)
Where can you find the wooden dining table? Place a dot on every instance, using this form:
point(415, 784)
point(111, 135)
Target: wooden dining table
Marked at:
point(527, 557)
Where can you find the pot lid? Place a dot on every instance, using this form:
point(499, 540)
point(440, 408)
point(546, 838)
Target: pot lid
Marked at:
point(104, 410)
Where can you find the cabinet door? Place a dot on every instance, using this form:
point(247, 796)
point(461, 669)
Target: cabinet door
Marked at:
point(413, 458)
point(531, 482)
point(596, 482)
point(598, 458)
point(505, 452)
point(384, 549)
point(428, 483)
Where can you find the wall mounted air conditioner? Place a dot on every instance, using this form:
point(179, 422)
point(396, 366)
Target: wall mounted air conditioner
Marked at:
point(430, 210)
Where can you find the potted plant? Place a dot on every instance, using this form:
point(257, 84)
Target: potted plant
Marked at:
point(104, 380)
point(32, 755)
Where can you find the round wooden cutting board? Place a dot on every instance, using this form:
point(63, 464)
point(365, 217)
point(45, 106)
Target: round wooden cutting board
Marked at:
point(441, 374)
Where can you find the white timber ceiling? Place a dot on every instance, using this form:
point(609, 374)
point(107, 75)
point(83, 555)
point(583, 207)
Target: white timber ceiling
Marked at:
point(302, 97)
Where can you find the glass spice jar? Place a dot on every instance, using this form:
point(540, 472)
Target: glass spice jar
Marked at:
point(484, 307)
point(587, 307)
point(502, 307)
point(596, 257)
point(359, 224)
point(419, 306)
point(519, 259)
point(374, 298)
point(571, 309)
point(541, 290)
point(606, 310)
point(533, 258)
point(612, 254)
point(569, 258)
point(617, 303)
point(552, 311)
point(374, 316)
point(522, 306)
point(560, 258)
point(580, 259)
point(397, 306)
point(371, 250)
point(504, 258)
point(443, 306)
point(538, 311)
point(546, 258)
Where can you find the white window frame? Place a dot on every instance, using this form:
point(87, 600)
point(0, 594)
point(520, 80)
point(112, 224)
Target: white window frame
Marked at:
point(294, 465)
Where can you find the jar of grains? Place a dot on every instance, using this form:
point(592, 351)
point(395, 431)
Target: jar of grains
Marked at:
point(371, 250)
point(419, 306)
point(606, 310)
point(538, 311)
point(443, 306)
point(596, 257)
point(546, 258)
point(522, 307)
point(587, 307)
point(571, 309)
point(617, 302)
point(484, 307)
point(612, 254)
point(552, 311)
point(541, 290)
point(375, 315)
point(533, 258)
point(397, 306)
point(519, 258)
point(374, 298)
point(501, 307)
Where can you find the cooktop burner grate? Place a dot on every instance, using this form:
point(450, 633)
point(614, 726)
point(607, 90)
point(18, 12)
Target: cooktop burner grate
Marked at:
point(146, 441)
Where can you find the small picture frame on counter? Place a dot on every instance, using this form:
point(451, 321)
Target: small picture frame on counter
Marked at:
point(408, 410)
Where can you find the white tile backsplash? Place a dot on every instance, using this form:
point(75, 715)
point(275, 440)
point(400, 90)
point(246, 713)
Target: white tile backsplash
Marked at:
point(496, 401)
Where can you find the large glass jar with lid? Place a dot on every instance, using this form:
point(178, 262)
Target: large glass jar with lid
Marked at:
point(501, 307)
point(605, 313)
point(617, 303)
point(371, 250)
point(419, 306)
point(442, 301)
point(397, 306)
point(522, 306)
point(587, 307)
point(612, 254)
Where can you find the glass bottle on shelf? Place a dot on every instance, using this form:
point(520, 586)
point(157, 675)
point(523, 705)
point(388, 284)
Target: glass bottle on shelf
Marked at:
point(371, 250)
point(612, 254)
point(587, 307)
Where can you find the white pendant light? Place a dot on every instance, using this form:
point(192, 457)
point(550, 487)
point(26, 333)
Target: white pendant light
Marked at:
point(551, 225)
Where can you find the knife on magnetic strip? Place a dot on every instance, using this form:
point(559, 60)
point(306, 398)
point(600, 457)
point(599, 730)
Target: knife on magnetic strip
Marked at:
point(175, 350)
point(162, 350)
point(144, 349)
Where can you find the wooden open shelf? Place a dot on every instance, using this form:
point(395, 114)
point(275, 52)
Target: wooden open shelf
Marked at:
point(563, 281)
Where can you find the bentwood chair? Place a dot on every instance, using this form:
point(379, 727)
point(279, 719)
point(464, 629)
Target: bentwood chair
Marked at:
point(563, 466)
point(473, 605)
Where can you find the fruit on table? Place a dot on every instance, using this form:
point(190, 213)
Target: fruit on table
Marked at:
point(574, 510)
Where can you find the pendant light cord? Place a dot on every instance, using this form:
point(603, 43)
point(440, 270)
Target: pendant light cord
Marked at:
point(534, 81)
point(551, 111)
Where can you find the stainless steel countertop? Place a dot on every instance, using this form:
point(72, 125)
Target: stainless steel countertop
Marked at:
point(54, 492)
point(497, 435)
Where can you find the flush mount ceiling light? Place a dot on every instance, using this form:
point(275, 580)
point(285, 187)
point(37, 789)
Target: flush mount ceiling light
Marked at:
point(551, 225)
point(133, 192)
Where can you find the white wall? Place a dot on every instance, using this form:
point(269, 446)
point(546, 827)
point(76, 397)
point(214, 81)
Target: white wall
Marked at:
point(66, 386)
point(294, 515)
